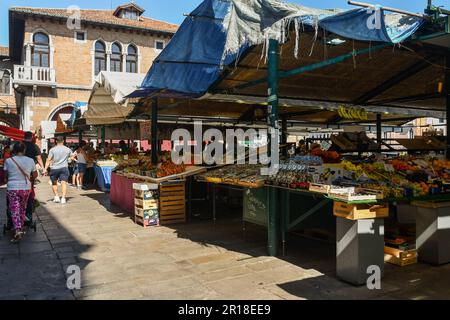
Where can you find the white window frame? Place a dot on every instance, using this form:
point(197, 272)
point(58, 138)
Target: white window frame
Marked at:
point(164, 45)
point(75, 36)
point(11, 93)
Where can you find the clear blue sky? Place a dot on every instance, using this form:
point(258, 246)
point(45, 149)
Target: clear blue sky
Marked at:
point(172, 10)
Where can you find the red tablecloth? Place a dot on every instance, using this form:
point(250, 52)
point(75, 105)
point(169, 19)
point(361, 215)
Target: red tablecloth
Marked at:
point(122, 193)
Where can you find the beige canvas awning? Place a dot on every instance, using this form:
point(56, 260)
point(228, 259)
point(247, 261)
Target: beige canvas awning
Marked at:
point(108, 103)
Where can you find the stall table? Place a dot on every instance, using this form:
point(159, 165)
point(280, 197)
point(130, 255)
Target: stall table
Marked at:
point(122, 193)
point(103, 174)
point(359, 242)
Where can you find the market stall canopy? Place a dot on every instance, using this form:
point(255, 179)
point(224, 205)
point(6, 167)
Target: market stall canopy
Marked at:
point(12, 133)
point(108, 103)
point(364, 57)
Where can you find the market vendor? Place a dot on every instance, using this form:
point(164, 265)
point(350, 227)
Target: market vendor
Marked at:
point(109, 148)
point(301, 149)
point(134, 149)
point(123, 147)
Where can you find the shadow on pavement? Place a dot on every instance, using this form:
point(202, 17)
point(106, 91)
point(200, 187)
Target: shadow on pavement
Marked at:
point(35, 269)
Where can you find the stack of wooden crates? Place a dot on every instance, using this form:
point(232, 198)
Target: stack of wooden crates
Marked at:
point(146, 204)
point(172, 202)
point(161, 204)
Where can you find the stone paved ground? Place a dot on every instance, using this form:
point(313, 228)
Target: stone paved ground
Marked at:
point(120, 260)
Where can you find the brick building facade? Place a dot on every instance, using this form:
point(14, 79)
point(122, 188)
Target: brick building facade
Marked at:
point(55, 54)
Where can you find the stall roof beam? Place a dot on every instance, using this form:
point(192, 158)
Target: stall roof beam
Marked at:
point(396, 79)
point(369, 5)
point(416, 97)
point(315, 66)
point(329, 105)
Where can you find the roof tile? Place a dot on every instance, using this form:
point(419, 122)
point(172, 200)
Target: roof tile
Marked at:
point(102, 16)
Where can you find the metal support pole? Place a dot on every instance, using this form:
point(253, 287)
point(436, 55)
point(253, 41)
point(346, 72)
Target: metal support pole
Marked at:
point(103, 135)
point(284, 208)
point(214, 203)
point(190, 197)
point(273, 214)
point(155, 132)
point(80, 136)
point(447, 95)
point(284, 131)
point(284, 135)
point(379, 132)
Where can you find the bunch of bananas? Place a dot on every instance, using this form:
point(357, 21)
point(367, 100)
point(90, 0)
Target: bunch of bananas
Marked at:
point(353, 113)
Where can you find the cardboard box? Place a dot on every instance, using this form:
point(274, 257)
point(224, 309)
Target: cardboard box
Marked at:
point(146, 214)
point(145, 186)
point(146, 195)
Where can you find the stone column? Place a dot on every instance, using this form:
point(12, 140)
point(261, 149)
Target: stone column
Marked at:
point(124, 62)
point(28, 55)
point(108, 61)
point(52, 55)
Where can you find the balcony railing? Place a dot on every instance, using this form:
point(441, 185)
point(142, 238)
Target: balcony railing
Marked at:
point(40, 76)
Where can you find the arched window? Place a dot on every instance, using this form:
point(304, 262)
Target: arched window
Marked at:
point(5, 82)
point(132, 59)
point(41, 50)
point(100, 57)
point(116, 57)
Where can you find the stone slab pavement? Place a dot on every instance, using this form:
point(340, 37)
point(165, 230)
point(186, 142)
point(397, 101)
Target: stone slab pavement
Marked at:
point(198, 260)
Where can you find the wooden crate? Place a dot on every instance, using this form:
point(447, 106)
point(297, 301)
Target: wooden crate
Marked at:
point(360, 211)
point(145, 222)
point(172, 203)
point(400, 257)
point(146, 204)
point(320, 188)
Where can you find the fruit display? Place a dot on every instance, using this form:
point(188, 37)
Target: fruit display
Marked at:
point(239, 175)
point(327, 156)
point(142, 165)
point(401, 177)
point(407, 177)
point(292, 175)
point(169, 168)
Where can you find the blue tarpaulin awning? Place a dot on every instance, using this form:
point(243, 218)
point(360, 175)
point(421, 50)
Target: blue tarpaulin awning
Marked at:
point(219, 31)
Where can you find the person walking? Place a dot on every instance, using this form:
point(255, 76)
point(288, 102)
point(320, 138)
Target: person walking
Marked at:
point(81, 159)
point(20, 171)
point(32, 149)
point(58, 162)
point(33, 152)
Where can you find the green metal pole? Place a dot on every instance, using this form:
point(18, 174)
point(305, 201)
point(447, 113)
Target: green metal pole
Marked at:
point(103, 135)
point(155, 131)
point(447, 95)
point(379, 132)
point(274, 214)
